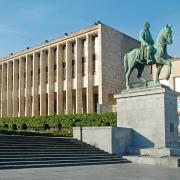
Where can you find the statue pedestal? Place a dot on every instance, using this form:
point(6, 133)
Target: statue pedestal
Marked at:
point(151, 114)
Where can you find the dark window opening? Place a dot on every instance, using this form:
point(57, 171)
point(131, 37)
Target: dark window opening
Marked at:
point(55, 66)
point(94, 67)
point(73, 68)
point(64, 70)
point(83, 66)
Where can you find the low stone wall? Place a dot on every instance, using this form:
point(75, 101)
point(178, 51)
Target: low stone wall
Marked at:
point(114, 140)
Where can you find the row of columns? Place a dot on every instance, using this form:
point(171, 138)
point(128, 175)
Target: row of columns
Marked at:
point(17, 91)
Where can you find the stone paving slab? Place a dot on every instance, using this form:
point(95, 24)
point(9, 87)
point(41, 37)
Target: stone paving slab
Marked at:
point(94, 172)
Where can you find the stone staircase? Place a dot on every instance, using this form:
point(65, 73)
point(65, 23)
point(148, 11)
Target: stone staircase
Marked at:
point(35, 152)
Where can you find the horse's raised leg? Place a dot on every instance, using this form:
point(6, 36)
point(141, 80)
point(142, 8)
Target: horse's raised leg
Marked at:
point(169, 69)
point(159, 67)
point(128, 76)
point(139, 76)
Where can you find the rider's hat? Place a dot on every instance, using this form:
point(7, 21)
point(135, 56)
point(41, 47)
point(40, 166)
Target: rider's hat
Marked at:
point(146, 24)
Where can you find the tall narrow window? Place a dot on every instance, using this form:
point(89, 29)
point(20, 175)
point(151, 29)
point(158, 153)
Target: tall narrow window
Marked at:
point(46, 66)
point(94, 65)
point(64, 70)
point(55, 72)
point(73, 68)
point(73, 59)
point(73, 50)
point(31, 64)
point(83, 56)
point(24, 72)
point(63, 52)
point(38, 68)
point(83, 66)
point(94, 52)
point(55, 64)
point(83, 48)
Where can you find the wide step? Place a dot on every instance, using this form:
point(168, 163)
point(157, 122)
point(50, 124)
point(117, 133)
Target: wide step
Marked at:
point(35, 152)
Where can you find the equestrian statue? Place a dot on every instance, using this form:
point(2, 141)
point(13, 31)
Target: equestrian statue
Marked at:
point(149, 54)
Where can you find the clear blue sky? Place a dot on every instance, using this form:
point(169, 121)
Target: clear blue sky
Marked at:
point(26, 23)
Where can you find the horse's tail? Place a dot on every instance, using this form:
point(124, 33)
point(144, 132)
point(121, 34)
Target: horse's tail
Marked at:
point(126, 63)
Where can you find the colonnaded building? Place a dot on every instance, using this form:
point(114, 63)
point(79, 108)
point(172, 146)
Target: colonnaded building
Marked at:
point(76, 73)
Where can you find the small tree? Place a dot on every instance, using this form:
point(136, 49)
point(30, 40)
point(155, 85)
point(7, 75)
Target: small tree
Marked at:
point(6, 126)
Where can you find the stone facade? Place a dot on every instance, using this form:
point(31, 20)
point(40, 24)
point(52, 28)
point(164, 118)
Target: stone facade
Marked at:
point(76, 73)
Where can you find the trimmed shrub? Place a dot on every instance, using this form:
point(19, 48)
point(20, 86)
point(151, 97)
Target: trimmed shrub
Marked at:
point(46, 126)
point(23, 127)
point(66, 120)
point(106, 123)
point(5, 126)
point(14, 127)
point(59, 126)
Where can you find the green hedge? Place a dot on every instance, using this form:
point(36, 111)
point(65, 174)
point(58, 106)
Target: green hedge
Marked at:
point(70, 120)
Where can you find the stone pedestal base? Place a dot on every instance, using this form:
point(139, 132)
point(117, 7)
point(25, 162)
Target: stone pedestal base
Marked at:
point(151, 113)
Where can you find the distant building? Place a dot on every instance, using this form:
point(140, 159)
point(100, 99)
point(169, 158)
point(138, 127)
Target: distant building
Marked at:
point(77, 73)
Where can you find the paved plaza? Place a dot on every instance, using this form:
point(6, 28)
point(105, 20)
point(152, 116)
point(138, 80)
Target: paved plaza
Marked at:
point(99, 172)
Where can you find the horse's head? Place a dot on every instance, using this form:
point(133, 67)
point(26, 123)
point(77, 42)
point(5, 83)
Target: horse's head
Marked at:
point(167, 34)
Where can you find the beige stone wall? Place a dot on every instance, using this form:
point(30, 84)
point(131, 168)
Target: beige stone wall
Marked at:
point(114, 46)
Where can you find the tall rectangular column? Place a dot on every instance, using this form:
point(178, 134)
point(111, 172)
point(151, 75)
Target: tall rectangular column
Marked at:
point(59, 80)
point(50, 81)
point(9, 88)
point(4, 91)
point(43, 83)
point(68, 78)
point(78, 76)
point(89, 75)
point(28, 110)
point(35, 111)
point(15, 87)
point(21, 87)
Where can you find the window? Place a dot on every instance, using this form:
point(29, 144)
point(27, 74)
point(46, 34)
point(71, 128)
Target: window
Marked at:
point(55, 72)
point(95, 52)
point(94, 63)
point(83, 66)
point(64, 70)
point(73, 68)
point(83, 48)
point(55, 67)
point(73, 50)
point(63, 52)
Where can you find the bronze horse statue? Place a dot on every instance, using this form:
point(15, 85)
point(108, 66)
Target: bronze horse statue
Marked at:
point(159, 57)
